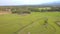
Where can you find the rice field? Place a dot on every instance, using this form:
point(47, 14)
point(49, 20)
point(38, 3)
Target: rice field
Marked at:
point(34, 23)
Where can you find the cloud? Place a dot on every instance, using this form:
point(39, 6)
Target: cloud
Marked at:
point(33, 1)
point(23, 2)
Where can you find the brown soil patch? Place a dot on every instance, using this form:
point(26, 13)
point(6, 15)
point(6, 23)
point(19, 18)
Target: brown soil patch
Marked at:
point(5, 12)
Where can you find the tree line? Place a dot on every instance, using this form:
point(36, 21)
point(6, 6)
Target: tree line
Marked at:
point(24, 9)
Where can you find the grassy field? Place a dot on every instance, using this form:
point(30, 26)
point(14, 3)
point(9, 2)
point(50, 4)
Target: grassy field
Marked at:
point(34, 23)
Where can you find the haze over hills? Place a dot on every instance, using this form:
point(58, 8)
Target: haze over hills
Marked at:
point(56, 3)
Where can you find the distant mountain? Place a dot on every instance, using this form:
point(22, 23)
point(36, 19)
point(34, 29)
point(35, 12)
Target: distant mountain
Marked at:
point(56, 3)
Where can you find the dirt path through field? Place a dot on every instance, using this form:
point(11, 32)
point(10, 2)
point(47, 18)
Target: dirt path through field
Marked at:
point(35, 22)
point(32, 22)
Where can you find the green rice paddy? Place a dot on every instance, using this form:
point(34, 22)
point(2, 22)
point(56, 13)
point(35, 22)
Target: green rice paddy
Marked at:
point(34, 23)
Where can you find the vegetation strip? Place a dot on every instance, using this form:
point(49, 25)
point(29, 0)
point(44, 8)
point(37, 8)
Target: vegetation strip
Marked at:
point(25, 26)
point(33, 23)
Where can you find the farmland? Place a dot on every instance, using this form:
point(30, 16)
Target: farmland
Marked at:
point(34, 23)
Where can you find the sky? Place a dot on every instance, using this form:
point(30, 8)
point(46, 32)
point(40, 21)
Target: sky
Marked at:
point(24, 2)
